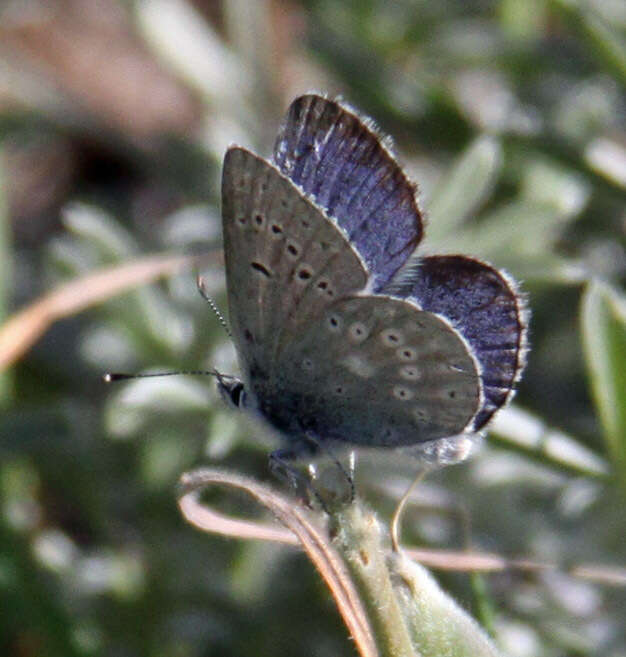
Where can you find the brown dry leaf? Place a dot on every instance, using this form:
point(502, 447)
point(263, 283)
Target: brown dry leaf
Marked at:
point(86, 50)
point(38, 174)
point(208, 519)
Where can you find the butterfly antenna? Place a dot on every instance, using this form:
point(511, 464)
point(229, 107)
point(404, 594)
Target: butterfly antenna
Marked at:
point(111, 377)
point(212, 305)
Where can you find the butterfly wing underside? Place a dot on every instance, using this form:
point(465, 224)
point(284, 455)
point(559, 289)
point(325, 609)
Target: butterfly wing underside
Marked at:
point(376, 370)
point(362, 369)
point(285, 261)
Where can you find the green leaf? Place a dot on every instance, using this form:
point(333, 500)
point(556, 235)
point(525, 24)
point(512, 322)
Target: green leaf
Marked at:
point(604, 42)
point(604, 341)
point(101, 230)
point(521, 431)
point(467, 184)
point(543, 268)
point(555, 187)
point(510, 233)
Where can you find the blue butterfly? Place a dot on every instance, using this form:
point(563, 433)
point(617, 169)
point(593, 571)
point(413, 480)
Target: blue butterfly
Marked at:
point(342, 333)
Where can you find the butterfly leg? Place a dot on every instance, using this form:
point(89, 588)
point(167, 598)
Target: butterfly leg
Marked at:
point(323, 447)
point(280, 465)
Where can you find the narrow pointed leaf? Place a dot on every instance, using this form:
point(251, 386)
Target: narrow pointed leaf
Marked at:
point(464, 187)
point(604, 341)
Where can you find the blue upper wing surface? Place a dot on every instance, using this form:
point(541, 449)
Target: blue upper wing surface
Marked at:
point(340, 162)
point(484, 305)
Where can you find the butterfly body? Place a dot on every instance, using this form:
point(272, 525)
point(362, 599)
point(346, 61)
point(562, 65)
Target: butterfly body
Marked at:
point(339, 334)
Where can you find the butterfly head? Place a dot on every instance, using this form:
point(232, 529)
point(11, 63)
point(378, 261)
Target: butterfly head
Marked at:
point(232, 390)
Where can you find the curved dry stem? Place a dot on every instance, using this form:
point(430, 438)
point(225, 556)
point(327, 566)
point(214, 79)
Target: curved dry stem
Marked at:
point(302, 525)
point(208, 519)
point(25, 327)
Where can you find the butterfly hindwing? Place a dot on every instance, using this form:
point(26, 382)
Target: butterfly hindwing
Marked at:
point(375, 370)
point(486, 308)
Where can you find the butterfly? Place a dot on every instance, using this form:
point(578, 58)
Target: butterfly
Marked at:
point(343, 333)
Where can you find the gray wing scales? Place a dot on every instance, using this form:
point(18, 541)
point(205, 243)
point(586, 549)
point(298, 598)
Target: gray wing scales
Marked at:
point(243, 246)
point(377, 370)
point(285, 260)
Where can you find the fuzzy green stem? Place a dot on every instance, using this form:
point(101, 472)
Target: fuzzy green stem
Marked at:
point(409, 613)
point(359, 538)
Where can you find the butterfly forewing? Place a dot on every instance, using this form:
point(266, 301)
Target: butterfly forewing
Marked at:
point(340, 162)
point(285, 261)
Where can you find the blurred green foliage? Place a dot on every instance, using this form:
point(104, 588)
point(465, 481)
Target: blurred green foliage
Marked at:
point(508, 114)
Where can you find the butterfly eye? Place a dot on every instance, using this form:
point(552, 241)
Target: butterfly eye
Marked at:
point(237, 394)
point(232, 393)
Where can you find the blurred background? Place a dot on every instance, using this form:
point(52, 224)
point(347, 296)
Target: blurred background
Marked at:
point(114, 118)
